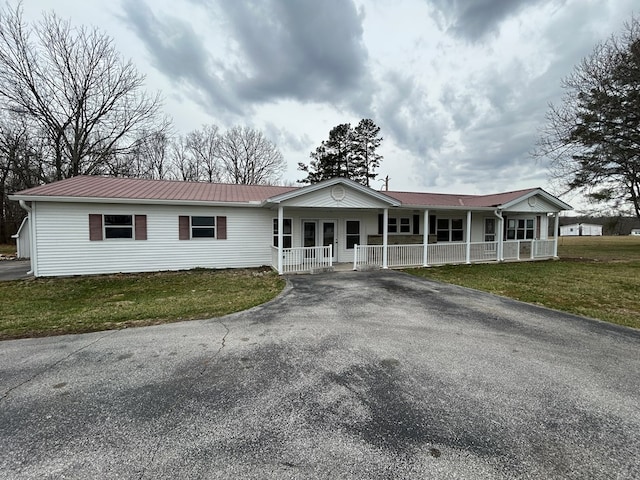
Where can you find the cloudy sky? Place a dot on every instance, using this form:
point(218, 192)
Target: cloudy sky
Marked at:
point(459, 88)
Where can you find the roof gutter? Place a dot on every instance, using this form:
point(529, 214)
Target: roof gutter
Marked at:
point(141, 201)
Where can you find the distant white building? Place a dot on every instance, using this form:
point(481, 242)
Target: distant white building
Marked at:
point(581, 229)
point(635, 232)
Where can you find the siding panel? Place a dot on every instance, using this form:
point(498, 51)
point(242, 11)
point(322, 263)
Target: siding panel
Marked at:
point(64, 247)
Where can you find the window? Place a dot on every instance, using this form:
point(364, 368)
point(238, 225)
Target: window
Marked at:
point(392, 225)
point(489, 229)
point(130, 227)
point(118, 226)
point(286, 232)
point(449, 230)
point(398, 225)
point(353, 233)
point(203, 227)
point(520, 229)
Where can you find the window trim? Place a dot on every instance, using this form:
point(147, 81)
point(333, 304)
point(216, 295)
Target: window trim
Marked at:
point(450, 230)
point(347, 234)
point(98, 227)
point(193, 228)
point(130, 227)
point(185, 227)
point(395, 225)
point(525, 229)
point(285, 236)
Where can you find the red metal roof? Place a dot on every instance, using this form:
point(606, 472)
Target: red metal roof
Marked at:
point(171, 190)
point(453, 200)
point(139, 189)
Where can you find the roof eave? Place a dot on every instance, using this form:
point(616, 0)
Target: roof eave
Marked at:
point(139, 201)
point(538, 191)
point(328, 183)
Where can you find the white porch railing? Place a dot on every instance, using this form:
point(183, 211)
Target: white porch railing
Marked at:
point(451, 253)
point(441, 253)
point(367, 255)
point(405, 255)
point(303, 259)
point(528, 249)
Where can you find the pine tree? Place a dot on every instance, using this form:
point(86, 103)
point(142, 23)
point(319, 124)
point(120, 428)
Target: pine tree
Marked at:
point(349, 153)
point(365, 158)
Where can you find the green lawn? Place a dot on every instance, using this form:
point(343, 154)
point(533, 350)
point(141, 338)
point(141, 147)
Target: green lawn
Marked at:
point(38, 307)
point(596, 277)
point(7, 249)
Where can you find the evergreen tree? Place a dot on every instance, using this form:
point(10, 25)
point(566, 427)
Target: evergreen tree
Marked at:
point(365, 158)
point(348, 153)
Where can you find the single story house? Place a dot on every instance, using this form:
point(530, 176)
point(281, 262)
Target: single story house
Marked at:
point(635, 232)
point(580, 229)
point(92, 224)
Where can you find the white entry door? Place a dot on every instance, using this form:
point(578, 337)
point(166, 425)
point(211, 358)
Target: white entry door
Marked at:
point(328, 232)
point(316, 233)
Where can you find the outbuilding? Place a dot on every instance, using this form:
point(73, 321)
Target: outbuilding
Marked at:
point(92, 224)
point(581, 229)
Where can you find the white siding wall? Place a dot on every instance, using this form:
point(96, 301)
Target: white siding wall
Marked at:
point(323, 199)
point(63, 246)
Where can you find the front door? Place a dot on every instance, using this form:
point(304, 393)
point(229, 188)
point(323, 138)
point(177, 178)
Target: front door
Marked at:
point(317, 233)
point(329, 235)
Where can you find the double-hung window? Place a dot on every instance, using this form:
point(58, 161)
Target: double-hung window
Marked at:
point(118, 226)
point(520, 229)
point(450, 229)
point(286, 232)
point(115, 227)
point(353, 233)
point(203, 227)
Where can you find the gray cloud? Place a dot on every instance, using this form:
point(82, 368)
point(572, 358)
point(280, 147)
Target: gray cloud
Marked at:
point(180, 54)
point(474, 19)
point(304, 50)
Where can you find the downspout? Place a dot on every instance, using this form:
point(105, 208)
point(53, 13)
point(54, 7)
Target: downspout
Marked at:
point(32, 243)
point(500, 234)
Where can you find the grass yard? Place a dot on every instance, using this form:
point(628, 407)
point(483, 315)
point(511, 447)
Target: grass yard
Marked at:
point(40, 307)
point(597, 277)
point(7, 249)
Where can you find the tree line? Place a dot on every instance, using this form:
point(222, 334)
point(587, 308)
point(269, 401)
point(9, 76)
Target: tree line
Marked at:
point(70, 105)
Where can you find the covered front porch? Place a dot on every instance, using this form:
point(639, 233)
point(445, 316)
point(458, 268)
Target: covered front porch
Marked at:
point(339, 221)
point(366, 257)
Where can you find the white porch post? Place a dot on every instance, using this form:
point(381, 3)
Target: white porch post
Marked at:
point(280, 228)
point(468, 236)
point(425, 239)
point(500, 234)
point(556, 221)
point(385, 236)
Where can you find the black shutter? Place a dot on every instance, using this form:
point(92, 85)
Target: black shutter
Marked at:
point(380, 223)
point(416, 224)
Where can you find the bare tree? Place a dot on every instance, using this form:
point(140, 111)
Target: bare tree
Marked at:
point(204, 146)
point(184, 164)
point(249, 158)
point(73, 84)
point(593, 137)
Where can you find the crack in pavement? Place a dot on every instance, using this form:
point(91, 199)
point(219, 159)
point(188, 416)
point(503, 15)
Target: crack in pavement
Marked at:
point(48, 368)
point(178, 400)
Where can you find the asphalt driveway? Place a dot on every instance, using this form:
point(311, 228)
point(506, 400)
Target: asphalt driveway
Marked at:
point(345, 376)
point(14, 269)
